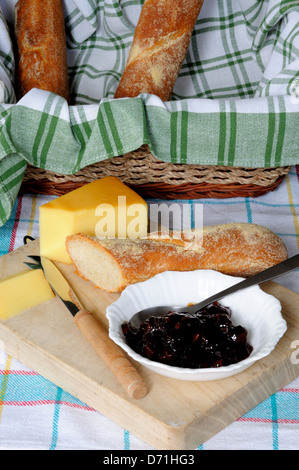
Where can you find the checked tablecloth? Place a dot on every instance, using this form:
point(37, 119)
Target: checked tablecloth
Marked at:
point(235, 101)
point(36, 414)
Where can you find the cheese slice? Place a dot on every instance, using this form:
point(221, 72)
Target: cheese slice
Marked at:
point(23, 291)
point(103, 208)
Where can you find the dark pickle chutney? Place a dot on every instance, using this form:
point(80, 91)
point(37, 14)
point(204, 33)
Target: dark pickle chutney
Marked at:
point(205, 339)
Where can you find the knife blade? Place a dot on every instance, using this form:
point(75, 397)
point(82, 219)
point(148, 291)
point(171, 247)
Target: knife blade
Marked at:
point(111, 354)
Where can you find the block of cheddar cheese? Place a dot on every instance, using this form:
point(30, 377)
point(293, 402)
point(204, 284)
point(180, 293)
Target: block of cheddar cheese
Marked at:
point(23, 291)
point(105, 208)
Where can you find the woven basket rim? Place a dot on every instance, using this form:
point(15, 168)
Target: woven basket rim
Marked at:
point(141, 167)
point(152, 177)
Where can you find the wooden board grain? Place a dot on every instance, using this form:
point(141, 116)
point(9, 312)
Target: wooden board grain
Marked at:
point(175, 415)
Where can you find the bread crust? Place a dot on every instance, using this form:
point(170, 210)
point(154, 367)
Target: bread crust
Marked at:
point(40, 34)
point(161, 39)
point(237, 249)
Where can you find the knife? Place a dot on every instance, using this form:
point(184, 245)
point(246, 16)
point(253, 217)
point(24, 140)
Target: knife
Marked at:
point(96, 334)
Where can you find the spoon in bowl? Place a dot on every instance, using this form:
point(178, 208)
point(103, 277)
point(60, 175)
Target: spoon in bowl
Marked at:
point(268, 274)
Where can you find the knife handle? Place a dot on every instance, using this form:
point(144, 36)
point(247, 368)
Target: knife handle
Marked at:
point(111, 354)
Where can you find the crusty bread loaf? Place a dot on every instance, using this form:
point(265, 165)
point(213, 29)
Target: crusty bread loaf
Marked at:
point(237, 249)
point(40, 34)
point(159, 47)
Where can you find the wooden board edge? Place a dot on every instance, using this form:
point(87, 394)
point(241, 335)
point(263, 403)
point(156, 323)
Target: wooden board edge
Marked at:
point(155, 432)
point(226, 413)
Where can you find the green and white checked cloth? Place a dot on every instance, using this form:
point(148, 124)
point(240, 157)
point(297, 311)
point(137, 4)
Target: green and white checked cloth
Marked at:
point(235, 102)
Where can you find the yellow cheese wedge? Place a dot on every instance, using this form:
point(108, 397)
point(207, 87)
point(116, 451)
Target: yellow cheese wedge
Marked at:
point(105, 208)
point(23, 291)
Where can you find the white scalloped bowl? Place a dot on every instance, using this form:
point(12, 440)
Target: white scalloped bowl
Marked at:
point(252, 308)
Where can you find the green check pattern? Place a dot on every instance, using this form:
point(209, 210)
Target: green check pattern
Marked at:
point(235, 102)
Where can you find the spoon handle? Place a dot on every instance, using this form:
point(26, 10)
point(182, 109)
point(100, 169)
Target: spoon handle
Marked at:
point(268, 274)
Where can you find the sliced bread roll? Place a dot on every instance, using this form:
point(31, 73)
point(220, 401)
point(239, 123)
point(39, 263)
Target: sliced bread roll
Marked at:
point(237, 249)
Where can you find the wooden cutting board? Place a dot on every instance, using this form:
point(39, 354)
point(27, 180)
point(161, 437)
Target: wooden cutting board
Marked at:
point(175, 415)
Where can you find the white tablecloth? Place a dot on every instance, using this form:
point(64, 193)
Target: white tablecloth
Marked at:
point(37, 414)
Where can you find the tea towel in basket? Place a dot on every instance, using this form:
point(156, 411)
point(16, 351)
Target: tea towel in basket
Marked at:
point(235, 102)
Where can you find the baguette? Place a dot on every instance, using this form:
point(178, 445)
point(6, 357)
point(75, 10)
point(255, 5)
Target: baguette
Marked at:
point(40, 34)
point(237, 249)
point(159, 47)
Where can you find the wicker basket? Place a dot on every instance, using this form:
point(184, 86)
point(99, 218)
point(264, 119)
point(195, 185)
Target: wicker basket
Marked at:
point(153, 178)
